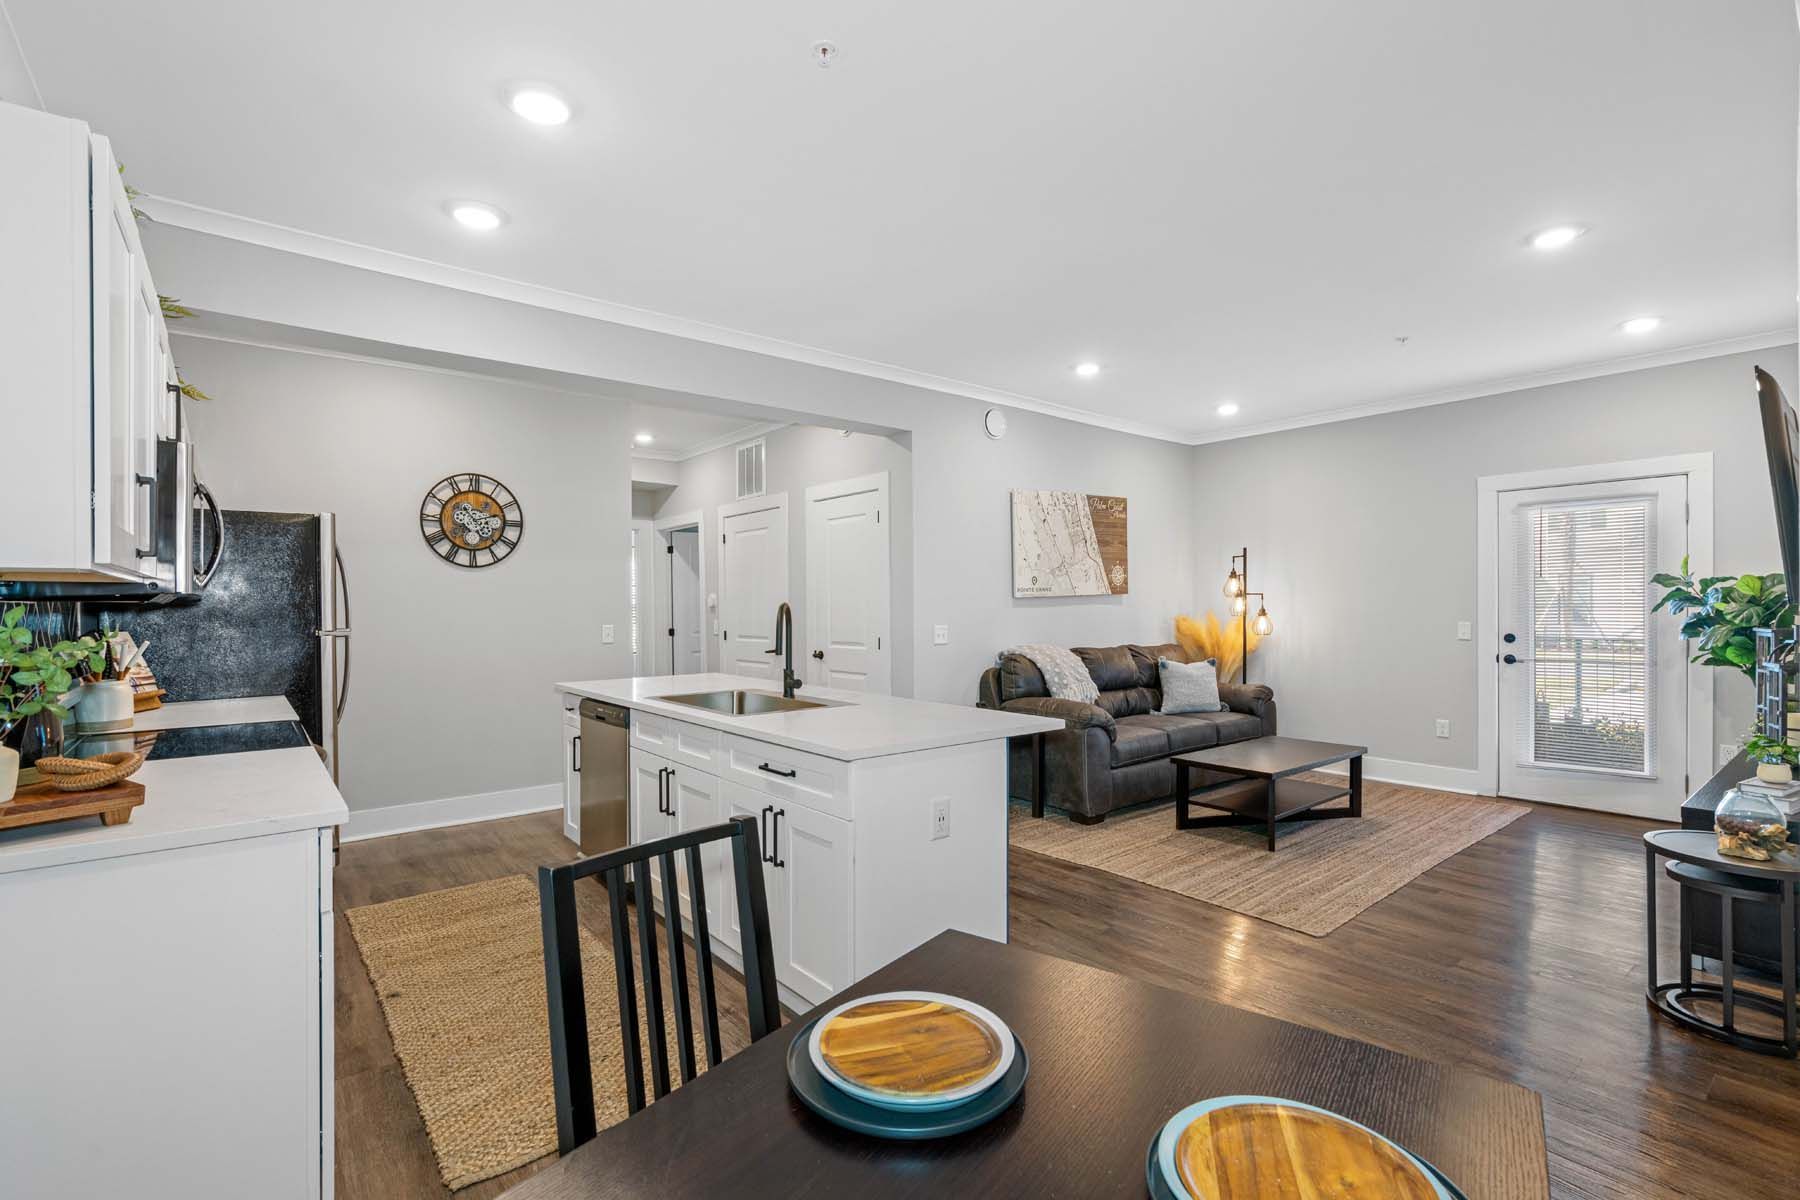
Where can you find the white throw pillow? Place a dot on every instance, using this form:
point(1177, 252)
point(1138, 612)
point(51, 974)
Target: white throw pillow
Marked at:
point(1189, 687)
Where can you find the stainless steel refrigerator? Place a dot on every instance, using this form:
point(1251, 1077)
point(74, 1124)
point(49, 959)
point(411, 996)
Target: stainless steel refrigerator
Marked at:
point(274, 620)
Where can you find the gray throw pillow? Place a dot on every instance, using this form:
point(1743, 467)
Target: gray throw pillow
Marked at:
point(1189, 687)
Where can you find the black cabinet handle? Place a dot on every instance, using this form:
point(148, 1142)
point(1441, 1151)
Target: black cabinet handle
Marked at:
point(777, 771)
point(762, 824)
point(662, 791)
point(149, 481)
point(575, 754)
point(775, 844)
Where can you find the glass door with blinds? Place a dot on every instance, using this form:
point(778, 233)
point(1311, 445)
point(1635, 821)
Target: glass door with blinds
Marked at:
point(1593, 695)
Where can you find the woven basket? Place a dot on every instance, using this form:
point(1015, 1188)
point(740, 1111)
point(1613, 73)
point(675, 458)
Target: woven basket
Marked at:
point(86, 774)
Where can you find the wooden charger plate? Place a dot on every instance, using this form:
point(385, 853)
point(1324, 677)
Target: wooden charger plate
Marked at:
point(911, 1049)
point(1260, 1148)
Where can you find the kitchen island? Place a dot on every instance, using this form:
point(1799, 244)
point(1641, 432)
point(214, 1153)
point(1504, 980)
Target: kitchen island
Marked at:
point(169, 980)
point(883, 820)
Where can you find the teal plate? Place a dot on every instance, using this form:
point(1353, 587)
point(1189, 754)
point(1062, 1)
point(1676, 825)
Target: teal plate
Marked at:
point(1159, 1190)
point(847, 1112)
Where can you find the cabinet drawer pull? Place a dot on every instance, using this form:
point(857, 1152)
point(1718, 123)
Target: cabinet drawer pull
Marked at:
point(671, 809)
point(789, 774)
point(775, 843)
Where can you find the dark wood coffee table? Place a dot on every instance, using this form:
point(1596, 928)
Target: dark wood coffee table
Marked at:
point(1262, 793)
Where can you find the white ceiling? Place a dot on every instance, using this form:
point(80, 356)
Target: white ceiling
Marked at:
point(1214, 199)
point(682, 433)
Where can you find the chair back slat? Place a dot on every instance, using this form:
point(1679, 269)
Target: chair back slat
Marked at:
point(622, 972)
point(678, 981)
point(703, 963)
point(571, 1068)
point(657, 1034)
point(627, 876)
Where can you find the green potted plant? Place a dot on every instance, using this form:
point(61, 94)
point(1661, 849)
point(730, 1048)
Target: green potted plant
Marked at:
point(1775, 758)
point(34, 680)
point(1722, 613)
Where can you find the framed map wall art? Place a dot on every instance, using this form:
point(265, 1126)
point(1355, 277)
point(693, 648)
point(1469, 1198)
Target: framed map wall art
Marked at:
point(1068, 544)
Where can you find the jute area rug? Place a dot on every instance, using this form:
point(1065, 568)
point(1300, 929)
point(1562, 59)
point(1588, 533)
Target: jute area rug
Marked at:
point(460, 977)
point(1322, 873)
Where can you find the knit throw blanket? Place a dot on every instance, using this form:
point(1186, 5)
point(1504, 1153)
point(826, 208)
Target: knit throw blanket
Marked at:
point(1066, 674)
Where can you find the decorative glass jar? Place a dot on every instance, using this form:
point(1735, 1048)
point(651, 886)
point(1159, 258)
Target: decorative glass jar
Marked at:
point(1750, 826)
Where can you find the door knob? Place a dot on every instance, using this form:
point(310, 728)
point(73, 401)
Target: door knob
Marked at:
point(1509, 659)
point(819, 654)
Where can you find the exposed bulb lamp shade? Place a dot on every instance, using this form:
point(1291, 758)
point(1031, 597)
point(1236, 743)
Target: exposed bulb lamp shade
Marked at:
point(1234, 584)
point(1262, 626)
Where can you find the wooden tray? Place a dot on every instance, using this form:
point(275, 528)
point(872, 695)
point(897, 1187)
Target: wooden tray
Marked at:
point(40, 804)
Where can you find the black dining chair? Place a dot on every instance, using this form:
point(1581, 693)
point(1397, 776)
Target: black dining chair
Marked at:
point(571, 1067)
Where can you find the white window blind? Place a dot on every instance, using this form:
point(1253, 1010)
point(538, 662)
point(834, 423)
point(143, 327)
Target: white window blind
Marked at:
point(634, 593)
point(1586, 584)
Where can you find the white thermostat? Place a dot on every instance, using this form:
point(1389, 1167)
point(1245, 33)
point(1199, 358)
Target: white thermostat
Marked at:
point(994, 422)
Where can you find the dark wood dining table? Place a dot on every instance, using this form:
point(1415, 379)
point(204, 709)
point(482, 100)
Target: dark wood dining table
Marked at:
point(1111, 1060)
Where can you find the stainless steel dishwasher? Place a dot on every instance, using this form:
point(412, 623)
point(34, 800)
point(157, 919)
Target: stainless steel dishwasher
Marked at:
point(605, 767)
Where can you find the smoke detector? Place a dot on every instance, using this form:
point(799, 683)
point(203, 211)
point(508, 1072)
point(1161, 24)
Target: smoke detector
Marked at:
point(824, 53)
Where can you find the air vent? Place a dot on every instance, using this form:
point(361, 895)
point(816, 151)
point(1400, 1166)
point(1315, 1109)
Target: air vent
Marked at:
point(750, 476)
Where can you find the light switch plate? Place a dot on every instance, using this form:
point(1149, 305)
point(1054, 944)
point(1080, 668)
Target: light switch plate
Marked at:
point(940, 635)
point(1464, 631)
point(1443, 727)
point(606, 635)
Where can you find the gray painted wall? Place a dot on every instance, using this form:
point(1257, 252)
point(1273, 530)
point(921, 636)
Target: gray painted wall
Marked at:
point(1363, 535)
point(450, 689)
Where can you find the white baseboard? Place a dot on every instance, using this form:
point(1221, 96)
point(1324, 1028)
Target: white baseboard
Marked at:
point(1416, 774)
point(367, 823)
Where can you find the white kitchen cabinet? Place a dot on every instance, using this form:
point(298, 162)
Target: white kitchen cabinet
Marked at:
point(571, 759)
point(806, 870)
point(88, 356)
point(175, 975)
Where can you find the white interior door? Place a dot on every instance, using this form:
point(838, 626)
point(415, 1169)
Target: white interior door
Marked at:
point(687, 607)
point(847, 584)
point(643, 598)
point(754, 580)
point(1592, 686)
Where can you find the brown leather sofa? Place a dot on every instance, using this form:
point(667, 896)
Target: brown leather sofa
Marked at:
point(1115, 752)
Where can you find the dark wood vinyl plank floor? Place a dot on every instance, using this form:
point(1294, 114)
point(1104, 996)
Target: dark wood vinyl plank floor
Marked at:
point(1521, 957)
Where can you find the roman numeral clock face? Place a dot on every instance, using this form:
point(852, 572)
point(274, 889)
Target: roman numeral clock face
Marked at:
point(471, 520)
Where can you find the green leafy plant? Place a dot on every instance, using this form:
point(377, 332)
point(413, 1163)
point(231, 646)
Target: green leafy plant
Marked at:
point(1771, 750)
point(172, 309)
point(34, 678)
point(1721, 613)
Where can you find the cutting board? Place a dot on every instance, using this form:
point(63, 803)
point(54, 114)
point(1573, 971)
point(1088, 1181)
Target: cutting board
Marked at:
point(40, 804)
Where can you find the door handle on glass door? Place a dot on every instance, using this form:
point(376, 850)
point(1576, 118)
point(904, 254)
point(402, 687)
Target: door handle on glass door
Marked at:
point(1509, 659)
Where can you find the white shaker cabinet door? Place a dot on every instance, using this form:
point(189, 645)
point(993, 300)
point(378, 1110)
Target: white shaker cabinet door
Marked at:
point(812, 858)
point(736, 800)
point(694, 795)
point(571, 766)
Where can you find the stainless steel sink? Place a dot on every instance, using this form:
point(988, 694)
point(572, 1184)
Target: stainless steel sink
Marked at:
point(745, 704)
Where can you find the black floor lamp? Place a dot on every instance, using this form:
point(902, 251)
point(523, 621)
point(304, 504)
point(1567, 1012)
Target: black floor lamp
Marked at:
point(1237, 590)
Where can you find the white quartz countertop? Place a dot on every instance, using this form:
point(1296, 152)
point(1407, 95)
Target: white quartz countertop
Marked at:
point(192, 802)
point(860, 725)
point(190, 714)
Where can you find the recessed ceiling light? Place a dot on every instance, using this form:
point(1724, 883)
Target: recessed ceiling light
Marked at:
point(1556, 237)
point(1087, 370)
point(1640, 325)
point(539, 105)
point(1227, 409)
point(482, 218)
point(643, 439)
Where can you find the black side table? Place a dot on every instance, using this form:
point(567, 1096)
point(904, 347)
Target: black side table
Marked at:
point(1697, 866)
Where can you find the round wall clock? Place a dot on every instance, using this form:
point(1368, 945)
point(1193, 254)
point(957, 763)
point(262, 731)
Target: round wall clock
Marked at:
point(471, 520)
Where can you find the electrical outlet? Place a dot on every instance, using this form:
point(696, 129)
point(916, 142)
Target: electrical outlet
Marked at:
point(1464, 631)
point(606, 635)
point(940, 635)
point(1443, 727)
point(1727, 752)
point(940, 818)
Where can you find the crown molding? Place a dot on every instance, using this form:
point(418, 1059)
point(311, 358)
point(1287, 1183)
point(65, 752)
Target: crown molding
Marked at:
point(1516, 383)
point(212, 222)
